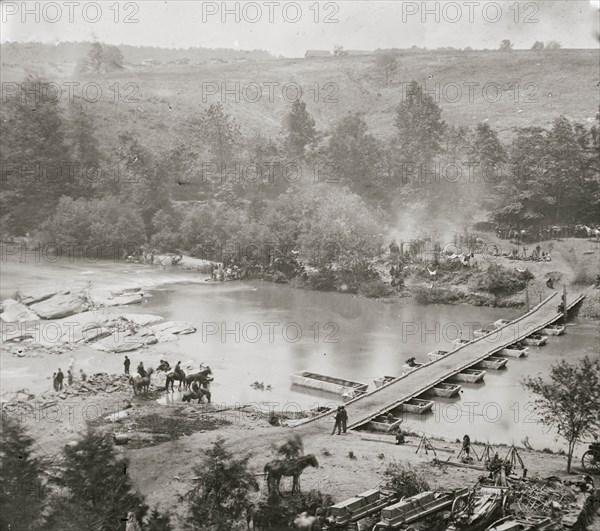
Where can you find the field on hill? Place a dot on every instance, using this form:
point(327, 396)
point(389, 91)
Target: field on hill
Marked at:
point(507, 90)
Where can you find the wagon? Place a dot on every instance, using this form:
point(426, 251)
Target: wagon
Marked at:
point(358, 507)
point(416, 507)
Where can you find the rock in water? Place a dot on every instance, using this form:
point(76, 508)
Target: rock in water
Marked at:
point(127, 298)
point(61, 305)
point(172, 327)
point(16, 312)
point(41, 295)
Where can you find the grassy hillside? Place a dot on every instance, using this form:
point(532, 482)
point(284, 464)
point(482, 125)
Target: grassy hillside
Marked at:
point(560, 82)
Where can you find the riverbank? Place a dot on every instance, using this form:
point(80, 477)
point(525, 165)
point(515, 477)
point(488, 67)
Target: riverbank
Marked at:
point(165, 441)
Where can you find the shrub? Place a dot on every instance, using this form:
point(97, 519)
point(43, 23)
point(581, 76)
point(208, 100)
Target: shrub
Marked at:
point(404, 480)
point(424, 295)
point(500, 280)
point(375, 289)
point(583, 277)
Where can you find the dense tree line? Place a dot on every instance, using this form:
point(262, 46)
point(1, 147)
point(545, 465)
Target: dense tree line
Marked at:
point(293, 192)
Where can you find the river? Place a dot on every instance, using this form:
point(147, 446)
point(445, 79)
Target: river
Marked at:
point(259, 331)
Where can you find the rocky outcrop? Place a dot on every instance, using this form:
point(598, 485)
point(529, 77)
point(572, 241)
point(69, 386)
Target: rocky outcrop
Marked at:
point(16, 312)
point(60, 305)
point(118, 342)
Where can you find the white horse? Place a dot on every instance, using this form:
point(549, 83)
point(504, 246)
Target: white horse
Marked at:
point(592, 232)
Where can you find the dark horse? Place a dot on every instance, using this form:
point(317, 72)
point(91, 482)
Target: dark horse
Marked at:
point(172, 376)
point(188, 396)
point(288, 467)
point(203, 377)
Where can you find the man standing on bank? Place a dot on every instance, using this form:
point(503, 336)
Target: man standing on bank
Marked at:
point(344, 418)
point(126, 364)
point(338, 421)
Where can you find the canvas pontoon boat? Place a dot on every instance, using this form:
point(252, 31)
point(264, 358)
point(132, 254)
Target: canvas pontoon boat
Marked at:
point(446, 390)
point(384, 423)
point(416, 405)
point(468, 375)
point(493, 362)
point(339, 386)
point(535, 340)
point(384, 380)
point(515, 351)
point(437, 354)
point(553, 330)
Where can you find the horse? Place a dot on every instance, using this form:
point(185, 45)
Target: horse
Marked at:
point(188, 396)
point(140, 383)
point(592, 232)
point(203, 376)
point(172, 376)
point(277, 468)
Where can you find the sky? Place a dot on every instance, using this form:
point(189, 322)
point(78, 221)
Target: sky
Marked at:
point(290, 28)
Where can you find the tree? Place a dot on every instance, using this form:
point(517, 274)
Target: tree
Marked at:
point(521, 196)
point(221, 496)
point(355, 155)
point(102, 59)
point(570, 401)
point(538, 45)
point(90, 173)
point(339, 51)
point(387, 63)
point(506, 46)
point(146, 179)
point(488, 151)
point(420, 128)
point(97, 492)
point(113, 58)
point(158, 521)
point(220, 133)
point(23, 491)
point(35, 157)
point(553, 45)
point(95, 58)
point(300, 130)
